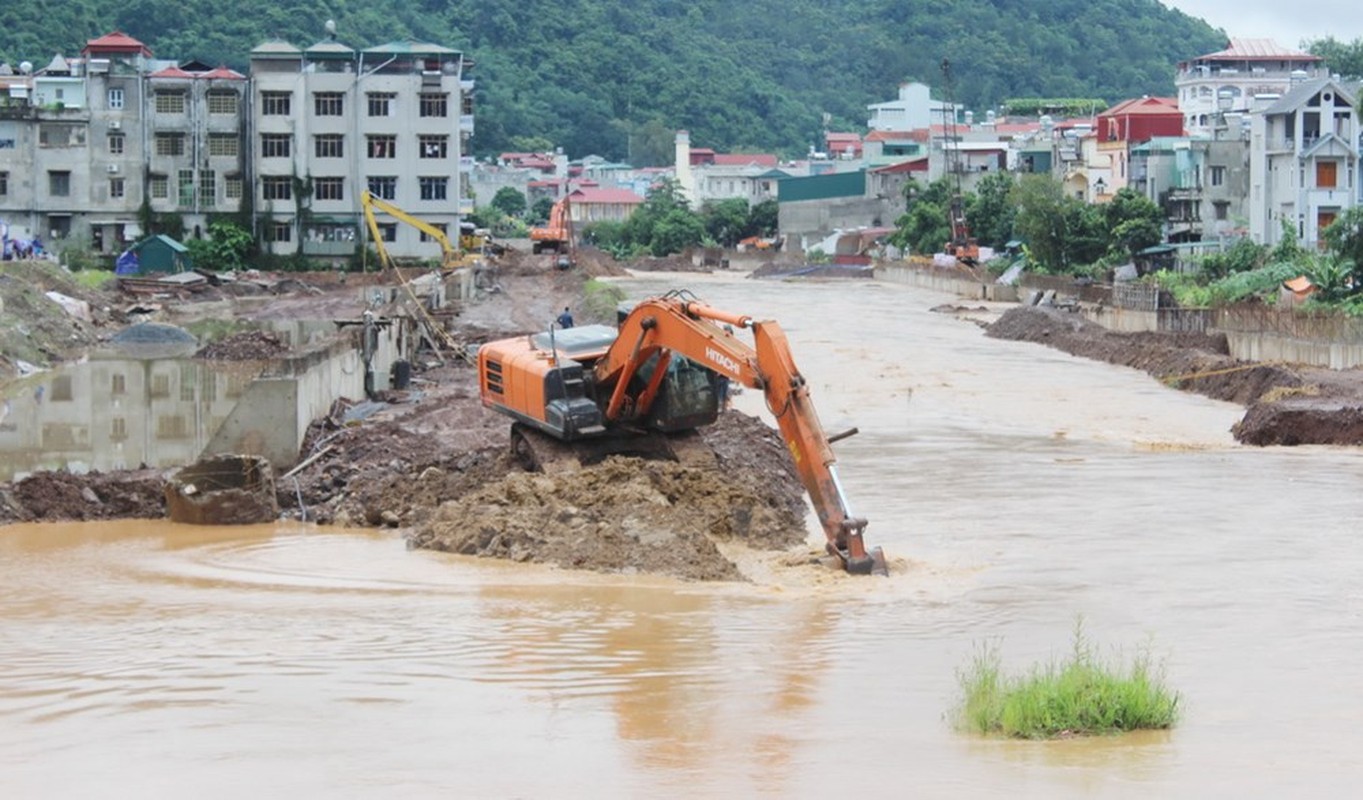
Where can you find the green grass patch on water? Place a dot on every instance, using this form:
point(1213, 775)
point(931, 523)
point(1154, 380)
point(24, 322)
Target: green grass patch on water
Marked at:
point(1080, 695)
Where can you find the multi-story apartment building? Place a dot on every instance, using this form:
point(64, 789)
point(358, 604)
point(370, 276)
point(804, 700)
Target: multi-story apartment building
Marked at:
point(1303, 161)
point(84, 140)
point(1229, 80)
point(330, 122)
point(1201, 184)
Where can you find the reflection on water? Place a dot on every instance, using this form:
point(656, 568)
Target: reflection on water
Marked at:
point(117, 413)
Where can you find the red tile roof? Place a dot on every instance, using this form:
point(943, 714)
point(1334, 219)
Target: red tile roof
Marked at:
point(171, 72)
point(116, 42)
point(1145, 105)
point(912, 165)
point(593, 194)
point(920, 135)
point(223, 73)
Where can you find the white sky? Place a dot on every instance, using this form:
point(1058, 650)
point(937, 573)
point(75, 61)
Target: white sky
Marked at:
point(1286, 22)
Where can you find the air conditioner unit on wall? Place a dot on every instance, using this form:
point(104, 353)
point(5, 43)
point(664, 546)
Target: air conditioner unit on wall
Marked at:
point(115, 124)
point(112, 168)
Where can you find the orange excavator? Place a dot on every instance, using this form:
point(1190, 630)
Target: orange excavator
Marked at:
point(579, 394)
point(556, 236)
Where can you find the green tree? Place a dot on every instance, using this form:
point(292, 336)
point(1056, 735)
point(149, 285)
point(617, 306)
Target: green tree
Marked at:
point(539, 212)
point(726, 221)
point(990, 211)
point(1335, 278)
point(676, 231)
point(924, 226)
point(509, 201)
point(1344, 236)
point(1040, 220)
point(763, 219)
point(1345, 60)
point(1288, 250)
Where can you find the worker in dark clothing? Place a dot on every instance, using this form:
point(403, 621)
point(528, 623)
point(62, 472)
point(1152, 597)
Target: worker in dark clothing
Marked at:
point(565, 320)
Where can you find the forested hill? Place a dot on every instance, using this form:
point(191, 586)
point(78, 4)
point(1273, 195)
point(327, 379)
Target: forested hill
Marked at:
point(615, 77)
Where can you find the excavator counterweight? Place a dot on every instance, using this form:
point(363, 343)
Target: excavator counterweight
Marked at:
point(660, 373)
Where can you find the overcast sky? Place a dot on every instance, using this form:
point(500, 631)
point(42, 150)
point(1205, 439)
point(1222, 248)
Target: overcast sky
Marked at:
point(1286, 22)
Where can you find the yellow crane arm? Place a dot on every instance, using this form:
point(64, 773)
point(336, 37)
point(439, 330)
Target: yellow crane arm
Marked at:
point(368, 202)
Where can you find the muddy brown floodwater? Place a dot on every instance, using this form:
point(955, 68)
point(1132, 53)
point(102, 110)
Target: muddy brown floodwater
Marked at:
point(1016, 488)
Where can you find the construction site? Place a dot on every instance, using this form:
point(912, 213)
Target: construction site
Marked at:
point(362, 392)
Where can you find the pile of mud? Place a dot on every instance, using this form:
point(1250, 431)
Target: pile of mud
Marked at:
point(46, 496)
point(1287, 405)
point(244, 346)
point(622, 515)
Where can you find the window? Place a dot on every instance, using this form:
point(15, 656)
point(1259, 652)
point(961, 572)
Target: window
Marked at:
point(223, 144)
point(382, 104)
point(384, 188)
point(116, 144)
point(160, 386)
point(187, 386)
point(328, 104)
point(170, 144)
point(383, 146)
point(1327, 174)
point(118, 428)
point(232, 187)
point(275, 145)
point(434, 146)
point(1218, 175)
point(328, 188)
point(170, 102)
point(1222, 209)
point(426, 237)
point(171, 426)
point(389, 231)
point(61, 389)
point(160, 187)
point(434, 188)
point(186, 184)
point(221, 102)
point(119, 384)
point(208, 188)
point(59, 183)
point(115, 98)
point(61, 135)
point(4, 183)
point(277, 187)
point(275, 104)
point(116, 189)
point(328, 145)
point(434, 105)
point(467, 104)
point(278, 232)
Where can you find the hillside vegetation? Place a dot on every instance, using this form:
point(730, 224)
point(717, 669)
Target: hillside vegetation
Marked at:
point(616, 78)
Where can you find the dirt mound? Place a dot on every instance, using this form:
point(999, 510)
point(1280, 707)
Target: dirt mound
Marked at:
point(622, 515)
point(1281, 410)
point(50, 496)
point(1301, 422)
point(244, 346)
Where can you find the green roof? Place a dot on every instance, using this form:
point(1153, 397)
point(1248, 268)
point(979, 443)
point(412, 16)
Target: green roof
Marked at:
point(164, 239)
point(409, 47)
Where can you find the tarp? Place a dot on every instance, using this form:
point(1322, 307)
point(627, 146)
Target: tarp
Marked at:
point(127, 264)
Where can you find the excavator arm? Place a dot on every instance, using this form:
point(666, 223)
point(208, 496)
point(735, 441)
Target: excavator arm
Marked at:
point(679, 325)
point(449, 254)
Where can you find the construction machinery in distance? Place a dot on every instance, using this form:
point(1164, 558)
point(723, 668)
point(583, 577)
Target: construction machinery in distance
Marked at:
point(451, 257)
point(579, 394)
point(556, 236)
point(962, 245)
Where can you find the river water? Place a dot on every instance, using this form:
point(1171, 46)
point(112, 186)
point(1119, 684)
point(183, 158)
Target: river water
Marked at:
point(1016, 489)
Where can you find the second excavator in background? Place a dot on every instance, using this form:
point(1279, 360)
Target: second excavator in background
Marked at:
point(579, 394)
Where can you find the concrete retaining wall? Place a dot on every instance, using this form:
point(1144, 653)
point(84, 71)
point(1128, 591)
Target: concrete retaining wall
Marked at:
point(1276, 347)
point(274, 412)
point(947, 281)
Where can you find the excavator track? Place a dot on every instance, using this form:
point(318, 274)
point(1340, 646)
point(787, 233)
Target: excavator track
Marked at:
point(537, 452)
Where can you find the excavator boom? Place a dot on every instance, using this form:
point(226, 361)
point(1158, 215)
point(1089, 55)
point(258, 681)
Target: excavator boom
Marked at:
point(592, 384)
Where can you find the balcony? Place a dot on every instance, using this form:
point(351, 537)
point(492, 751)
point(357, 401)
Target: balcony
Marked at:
point(466, 124)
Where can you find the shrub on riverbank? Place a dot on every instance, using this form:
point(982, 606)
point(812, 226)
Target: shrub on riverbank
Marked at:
point(1081, 695)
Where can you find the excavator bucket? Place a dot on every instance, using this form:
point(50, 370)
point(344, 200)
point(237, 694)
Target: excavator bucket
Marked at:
point(851, 550)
